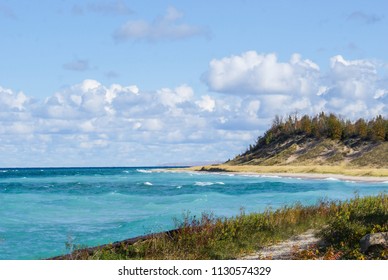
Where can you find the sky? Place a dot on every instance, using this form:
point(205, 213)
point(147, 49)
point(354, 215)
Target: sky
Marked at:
point(141, 83)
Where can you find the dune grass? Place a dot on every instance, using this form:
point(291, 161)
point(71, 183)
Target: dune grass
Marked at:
point(340, 224)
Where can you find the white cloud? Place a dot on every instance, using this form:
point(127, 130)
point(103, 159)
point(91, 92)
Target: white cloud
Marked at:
point(171, 98)
point(253, 73)
point(354, 78)
point(206, 103)
point(90, 123)
point(93, 124)
point(380, 93)
point(9, 101)
point(299, 85)
point(166, 27)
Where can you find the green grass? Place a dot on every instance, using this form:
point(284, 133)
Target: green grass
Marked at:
point(350, 222)
point(341, 225)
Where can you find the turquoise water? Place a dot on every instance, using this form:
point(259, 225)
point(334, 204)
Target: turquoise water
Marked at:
point(43, 209)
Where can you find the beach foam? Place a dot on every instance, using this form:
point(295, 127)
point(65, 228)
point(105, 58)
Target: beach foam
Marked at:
point(143, 171)
point(202, 184)
point(331, 179)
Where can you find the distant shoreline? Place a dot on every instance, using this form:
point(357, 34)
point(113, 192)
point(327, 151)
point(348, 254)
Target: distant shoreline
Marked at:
point(359, 175)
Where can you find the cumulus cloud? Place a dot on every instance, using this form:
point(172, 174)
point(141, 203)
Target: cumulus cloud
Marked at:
point(95, 124)
point(350, 87)
point(171, 98)
point(166, 27)
point(253, 73)
point(10, 101)
point(353, 78)
point(206, 103)
point(355, 87)
point(91, 123)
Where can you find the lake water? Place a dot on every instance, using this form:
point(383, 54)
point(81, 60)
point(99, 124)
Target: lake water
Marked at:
point(41, 210)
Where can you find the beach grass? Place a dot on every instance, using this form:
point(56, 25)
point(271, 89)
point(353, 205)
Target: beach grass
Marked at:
point(340, 224)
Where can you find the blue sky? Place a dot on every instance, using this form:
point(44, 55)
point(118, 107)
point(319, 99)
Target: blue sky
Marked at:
point(115, 82)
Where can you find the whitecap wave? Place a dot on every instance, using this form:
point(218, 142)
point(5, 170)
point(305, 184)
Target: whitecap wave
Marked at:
point(331, 179)
point(202, 184)
point(220, 183)
point(143, 171)
point(269, 176)
point(148, 183)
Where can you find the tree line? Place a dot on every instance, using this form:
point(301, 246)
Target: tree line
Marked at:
point(323, 126)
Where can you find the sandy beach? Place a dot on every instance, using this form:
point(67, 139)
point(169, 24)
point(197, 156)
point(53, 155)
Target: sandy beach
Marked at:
point(248, 170)
point(318, 176)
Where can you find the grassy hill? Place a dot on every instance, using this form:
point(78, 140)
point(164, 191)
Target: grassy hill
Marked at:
point(302, 150)
point(319, 144)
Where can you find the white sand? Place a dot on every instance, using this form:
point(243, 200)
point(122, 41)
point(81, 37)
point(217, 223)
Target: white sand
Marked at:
point(284, 250)
point(318, 176)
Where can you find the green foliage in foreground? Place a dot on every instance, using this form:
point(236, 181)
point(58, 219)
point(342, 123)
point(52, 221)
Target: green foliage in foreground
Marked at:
point(341, 225)
point(350, 222)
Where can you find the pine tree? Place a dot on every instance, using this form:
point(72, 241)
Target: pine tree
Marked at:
point(334, 127)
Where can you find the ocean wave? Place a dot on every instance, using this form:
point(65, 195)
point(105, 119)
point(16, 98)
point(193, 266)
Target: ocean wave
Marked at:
point(203, 184)
point(269, 176)
point(143, 171)
point(331, 179)
point(148, 184)
point(262, 176)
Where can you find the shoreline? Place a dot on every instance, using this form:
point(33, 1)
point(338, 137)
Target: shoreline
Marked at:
point(295, 175)
point(320, 176)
